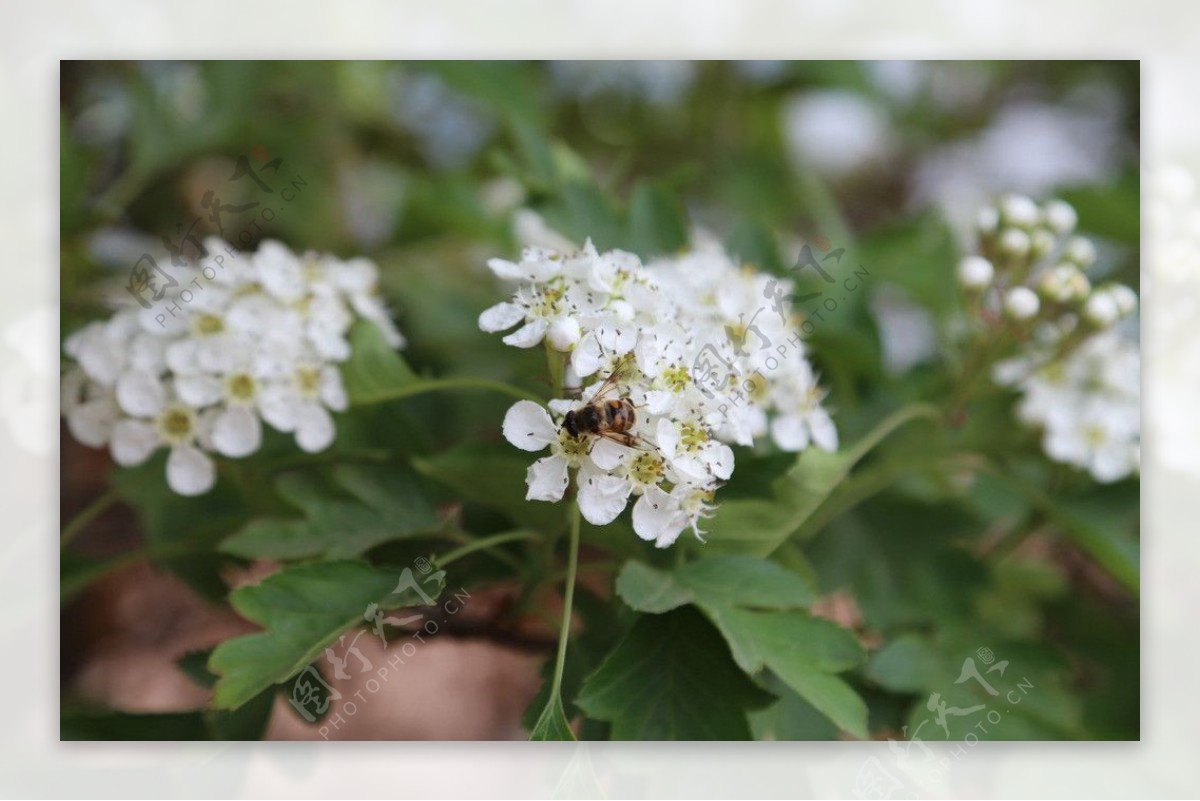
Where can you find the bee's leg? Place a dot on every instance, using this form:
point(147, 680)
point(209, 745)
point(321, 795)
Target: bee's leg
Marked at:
point(628, 440)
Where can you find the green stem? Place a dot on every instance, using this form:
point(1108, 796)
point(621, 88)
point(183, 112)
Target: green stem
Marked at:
point(482, 543)
point(890, 424)
point(438, 384)
point(568, 600)
point(90, 513)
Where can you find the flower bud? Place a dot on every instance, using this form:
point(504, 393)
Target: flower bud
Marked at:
point(1101, 309)
point(975, 272)
point(1080, 251)
point(1064, 283)
point(1060, 217)
point(1126, 298)
point(988, 220)
point(1021, 303)
point(1015, 243)
point(1041, 242)
point(1019, 211)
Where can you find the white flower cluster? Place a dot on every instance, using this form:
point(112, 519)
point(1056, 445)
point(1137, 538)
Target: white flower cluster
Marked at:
point(1088, 403)
point(1078, 374)
point(257, 339)
point(695, 346)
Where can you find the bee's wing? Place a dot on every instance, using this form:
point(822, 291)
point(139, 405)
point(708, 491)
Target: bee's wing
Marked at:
point(614, 379)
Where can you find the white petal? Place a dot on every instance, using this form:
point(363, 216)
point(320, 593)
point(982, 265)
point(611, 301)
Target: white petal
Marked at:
point(501, 317)
point(561, 406)
point(140, 394)
point(222, 353)
point(607, 454)
point(667, 438)
point(92, 422)
point(198, 389)
point(279, 271)
point(602, 497)
point(790, 433)
point(328, 342)
point(660, 401)
point(181, 356)
point(564, 333)
point(314, 428)
point(506, 270)
point(720, 457)
point(824, 433)
point(586, 356)
point(132, 442)
point(617, 339)
point(190, 471)
point(148, 353)
point(279, 405)
point(333, 392)
point(656, 514)
point(527, 335)
point(1113, 462)
point(528, 426)
point(547, 479)
point(101, 358)
point(237, 432)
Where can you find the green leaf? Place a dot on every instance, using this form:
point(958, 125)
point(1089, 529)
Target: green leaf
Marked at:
point(760, 526)
point(552, 723)
point(671, 678)
point(791, 717)
point(245, 723)
point(905, 664)
point(755, 604)
point(302, 609)
point(375, 368)
point(803, 652)
point(388, 505)
point(658, 225)
point(491, 475)
point(713, 581)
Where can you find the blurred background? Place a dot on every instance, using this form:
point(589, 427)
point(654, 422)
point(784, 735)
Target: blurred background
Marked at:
point(431, 168)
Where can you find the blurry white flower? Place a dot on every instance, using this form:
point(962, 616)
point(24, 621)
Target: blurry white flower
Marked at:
point(835, 131)
point(259, 342)
point(1088, 403)
point(659, 83)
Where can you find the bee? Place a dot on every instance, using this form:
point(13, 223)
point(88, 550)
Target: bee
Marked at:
point(602, 416)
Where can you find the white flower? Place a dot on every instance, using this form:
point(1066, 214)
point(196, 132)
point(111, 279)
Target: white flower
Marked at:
point(258, 341)
point(1088, 403)
point(156, 420)
point(687, 340)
